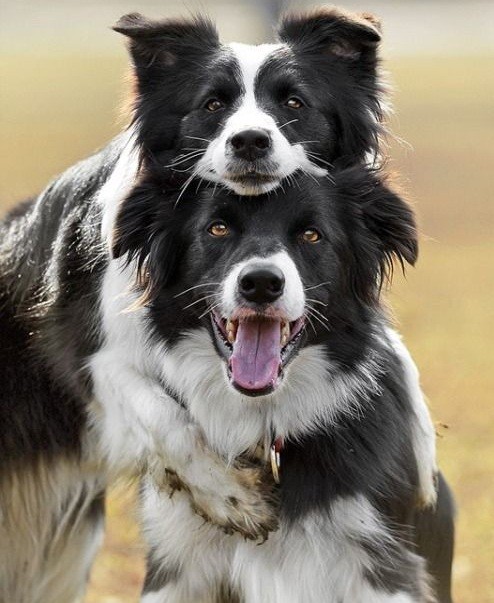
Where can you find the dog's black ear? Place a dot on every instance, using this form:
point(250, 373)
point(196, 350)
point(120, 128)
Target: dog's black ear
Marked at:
point(331, 31)
point(148, 238)
point(392, 221)
point(381, 228)
point(341, 50)
point(133, 225)
point(165, 42)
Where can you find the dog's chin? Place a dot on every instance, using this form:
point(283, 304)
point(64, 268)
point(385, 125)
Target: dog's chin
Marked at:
point(251, 184)
point(257, 350)
point(251, 177)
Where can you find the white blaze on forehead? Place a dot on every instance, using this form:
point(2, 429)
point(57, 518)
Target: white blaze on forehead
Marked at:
point(249, 115)
point(291, 303)
point(250, 60)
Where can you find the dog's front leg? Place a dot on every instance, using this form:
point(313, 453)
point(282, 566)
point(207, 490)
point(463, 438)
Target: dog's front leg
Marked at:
point(140, 428)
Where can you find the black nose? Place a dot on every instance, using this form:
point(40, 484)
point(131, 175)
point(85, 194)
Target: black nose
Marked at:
point(251, 144)
point(261, 284)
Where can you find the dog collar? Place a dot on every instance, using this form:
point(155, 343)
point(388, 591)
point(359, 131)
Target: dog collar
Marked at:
point(275, 458)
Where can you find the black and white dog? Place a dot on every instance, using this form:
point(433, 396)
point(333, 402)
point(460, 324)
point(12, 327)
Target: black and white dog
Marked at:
point(90, 359)
point(263, 321)
point(250, 117)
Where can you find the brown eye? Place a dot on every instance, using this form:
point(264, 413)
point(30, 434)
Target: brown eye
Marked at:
point(294, 103)
point(311, 235)
point(219, 229)
point(214, 105)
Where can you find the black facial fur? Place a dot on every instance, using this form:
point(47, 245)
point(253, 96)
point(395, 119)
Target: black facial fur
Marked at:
point(335, 55)
point(178, 65)
point(363, 225)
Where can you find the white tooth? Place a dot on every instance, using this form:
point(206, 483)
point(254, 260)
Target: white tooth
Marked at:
point(231, 330)
point(285, 332)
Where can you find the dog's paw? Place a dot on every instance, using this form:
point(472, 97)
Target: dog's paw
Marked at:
point(238, 499)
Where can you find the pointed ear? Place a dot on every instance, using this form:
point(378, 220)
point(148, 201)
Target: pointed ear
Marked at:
point(381, 229)
point(145, 233)
point(331, 31)
point(165, 42)
point(392, 221)
point(389, 236)
point(133, 226)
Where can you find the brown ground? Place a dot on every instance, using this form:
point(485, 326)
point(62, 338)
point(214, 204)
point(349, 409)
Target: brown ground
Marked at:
point(445, 111)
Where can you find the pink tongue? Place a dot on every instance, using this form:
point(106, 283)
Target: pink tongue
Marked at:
point(256, 359)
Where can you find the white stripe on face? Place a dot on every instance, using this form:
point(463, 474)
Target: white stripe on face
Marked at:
point(285, 157)
point(251, 59)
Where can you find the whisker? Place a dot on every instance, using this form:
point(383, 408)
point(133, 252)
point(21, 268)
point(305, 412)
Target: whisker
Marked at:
point(197, 138)
point(191, 152)
point(311, 176)
point(184, 159)
point(184, 188)
point(209, 309)
point(311, 323)
point(173, 166)
point(195, 287)
point(318, 285)
point(184, 171)
point(293, 180)
point(316, 301)
point(201, 180)
point(199, 300)
point(316, 157)
point(287, 123)
point(315, 317)
point(319, 313)
point(330, 178)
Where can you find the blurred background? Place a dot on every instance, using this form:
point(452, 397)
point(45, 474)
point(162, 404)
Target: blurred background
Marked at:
point(61, 85)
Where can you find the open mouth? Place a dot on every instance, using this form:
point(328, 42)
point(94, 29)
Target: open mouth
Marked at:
point(257, 349)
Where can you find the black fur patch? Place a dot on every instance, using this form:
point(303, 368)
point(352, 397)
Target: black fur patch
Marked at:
point(51, 262)
point(369, 453)
point(158, 574)
point(335, 56)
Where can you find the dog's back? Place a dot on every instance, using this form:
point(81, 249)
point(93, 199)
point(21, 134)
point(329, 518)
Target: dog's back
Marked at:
point(51, 500)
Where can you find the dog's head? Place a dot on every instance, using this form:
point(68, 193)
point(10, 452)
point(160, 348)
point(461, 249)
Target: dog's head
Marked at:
point(250, 116)
point(268, 276)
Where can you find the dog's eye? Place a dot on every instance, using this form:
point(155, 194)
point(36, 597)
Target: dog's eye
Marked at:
point(294, 103)
point(218, 229)
point(214, 104)
point(311, 235)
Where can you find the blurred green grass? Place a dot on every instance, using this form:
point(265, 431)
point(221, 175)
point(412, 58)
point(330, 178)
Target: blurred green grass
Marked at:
point(55, 110)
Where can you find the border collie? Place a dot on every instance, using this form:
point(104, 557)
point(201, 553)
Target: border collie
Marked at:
point(249, 117)
point(81, 399)
point(261, 320)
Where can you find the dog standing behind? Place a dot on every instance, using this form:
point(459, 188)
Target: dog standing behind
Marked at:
point(79, 400)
